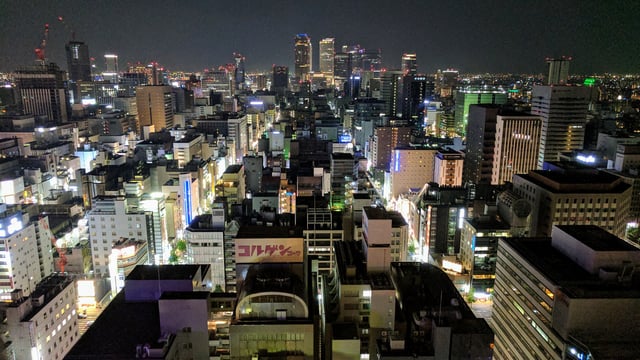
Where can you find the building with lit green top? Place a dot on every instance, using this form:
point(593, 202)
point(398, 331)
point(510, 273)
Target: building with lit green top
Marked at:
point(475, 95)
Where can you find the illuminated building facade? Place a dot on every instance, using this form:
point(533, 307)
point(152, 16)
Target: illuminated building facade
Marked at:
point(327, 53)
point(44, 324)
point(42, 91)
point(474, 95)
point(409, 64)
point(574, 197)
point(303, 58)
point(558, 70)
point(516, 146)
point(563, 110)
point(111, 72)
point(390, 91)
point(126, 254)
point(384, 140)
point(205, 245)
point(571, 296)
point(155, 107)
point(20, 266)
point(416, 89)
point(448, 168)
point(109, 222)
point(411, 168)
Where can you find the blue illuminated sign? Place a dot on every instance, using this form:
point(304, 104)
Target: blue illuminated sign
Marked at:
point(187, 201)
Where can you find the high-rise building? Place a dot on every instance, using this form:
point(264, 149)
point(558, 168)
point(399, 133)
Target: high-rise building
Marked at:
point(43, 325)
point(155, 106)
point(303, 58)
point(573, 296)
point(280, 79)
point(110, 72)
point(411, 168)
point(517, 140)
point(21, 266)
point(239, 71)
point(448, 168)
point(385, 139)
point(390, 91)
point(481, 138)
point(327, 53)
point(563, 110)
point(409, 64)
point(474, 95)
point(446, 82)
point(42, 91)
point(78, 61)
point(415, 90)
point(558, 70)
point(343, 171)
point(574, 196)
point(205, 245)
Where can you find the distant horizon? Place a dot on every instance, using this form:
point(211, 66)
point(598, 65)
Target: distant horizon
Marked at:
point(502, 36)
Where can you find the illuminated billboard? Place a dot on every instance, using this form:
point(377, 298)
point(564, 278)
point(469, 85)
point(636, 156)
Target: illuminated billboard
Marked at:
point(278, 250)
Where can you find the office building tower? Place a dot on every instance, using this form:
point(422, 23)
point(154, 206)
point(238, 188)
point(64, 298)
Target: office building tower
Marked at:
point(205, 245)
point(573, 296)
point(563, 110)
point(574, 196)
point(481, 138)
point(111, 68)
point(474, 95)
point(416, 89)
point(44, 324)
point(280, 79)
point(42, 91)
point(385, 238)
point(411, 168)
point(409, 64)
point(155, 107)
point(390, 91)
point(327, 53)
point(448, 168)
point(446, 82)
point(239, 71)
point(479, 251)
point(343, 170)
point(384, 140)
point(517, 140)
point(303, 58)
point(21, 267)
point(558, 70)
point(110, 222)
point(78, 61)
point(341, 68)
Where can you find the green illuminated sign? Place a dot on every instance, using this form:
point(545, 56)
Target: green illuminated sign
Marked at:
point(589, 81)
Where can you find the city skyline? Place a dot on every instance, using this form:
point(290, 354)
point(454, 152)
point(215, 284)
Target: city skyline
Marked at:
point(499, 36)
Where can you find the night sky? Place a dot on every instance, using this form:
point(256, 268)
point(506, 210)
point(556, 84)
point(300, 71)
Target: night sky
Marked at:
point(472, 36)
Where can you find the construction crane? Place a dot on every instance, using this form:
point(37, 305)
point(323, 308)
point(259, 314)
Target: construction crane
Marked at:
point(40, 51)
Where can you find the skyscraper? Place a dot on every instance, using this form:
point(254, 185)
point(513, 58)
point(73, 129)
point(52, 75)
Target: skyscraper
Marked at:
point(516, 145)
point(42, 91)
point(390, 88)
point(111, 68)
point(280, 80)
point(239, 72)
point(475, 95)
point(409, 64)
point(415, 90)
point(327, 52)
point(155, 106)
point(303, 56)
point(78, 61)
point(563, 110)
point(558, 70)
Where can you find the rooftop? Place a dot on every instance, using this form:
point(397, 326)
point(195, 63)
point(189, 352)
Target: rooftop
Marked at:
point(154, 272)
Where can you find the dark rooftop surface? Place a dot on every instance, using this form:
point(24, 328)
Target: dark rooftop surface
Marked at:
point(345, 331)
point(233, 169)
point(266, 232)
point(118, 330)
point(569, 182)
point(597, 238)
point(184, 295)
point(574, 280)
point(152, 272)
